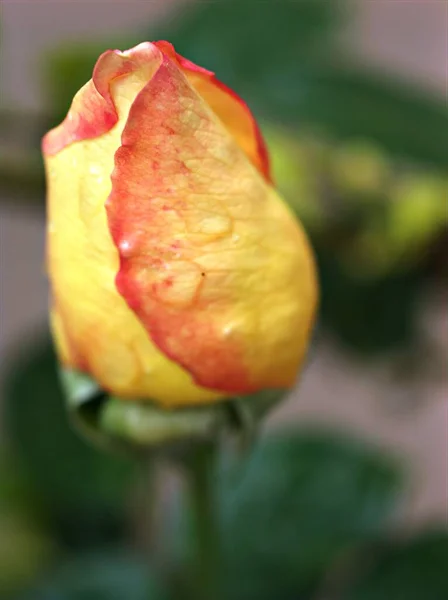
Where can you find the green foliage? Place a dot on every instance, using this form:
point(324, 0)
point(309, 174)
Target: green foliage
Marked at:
point(368, 316)
point(305, 502)
point(106, 576)
point(355, 103)
point(411, 570)
point(245, 41)
point(82, 490)
point(65, 72)
point(22, 177)
point(301, 500)
point(373, 222)
point(25, 546)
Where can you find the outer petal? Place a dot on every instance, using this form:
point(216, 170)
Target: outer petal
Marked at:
point(228, 106)
point(94, 328)
point(93, 111)
point(211, 260)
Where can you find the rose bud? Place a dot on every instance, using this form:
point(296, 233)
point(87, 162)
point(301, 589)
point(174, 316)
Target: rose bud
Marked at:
point(178, 274)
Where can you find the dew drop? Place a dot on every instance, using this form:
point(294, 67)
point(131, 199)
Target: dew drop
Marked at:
point(125, 247)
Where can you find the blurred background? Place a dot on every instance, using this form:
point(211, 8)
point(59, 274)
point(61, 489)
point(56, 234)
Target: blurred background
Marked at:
point(352, 98)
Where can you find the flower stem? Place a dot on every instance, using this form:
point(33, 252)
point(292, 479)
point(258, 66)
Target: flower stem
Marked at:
point(203, 506)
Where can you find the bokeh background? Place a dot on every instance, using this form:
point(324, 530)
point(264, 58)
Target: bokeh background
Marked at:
point(352, 97)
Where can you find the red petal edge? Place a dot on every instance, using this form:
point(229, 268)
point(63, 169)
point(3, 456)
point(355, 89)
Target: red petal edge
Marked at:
point(168, 49)
point(97, 114)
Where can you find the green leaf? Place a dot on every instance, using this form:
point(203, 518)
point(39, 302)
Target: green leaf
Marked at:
point(350, 103)
point(25, 547)
point(26, 550)
point(243, 39)
point(301, 501)
point(82, 490)
point(369, 316)
point(412, 570)
point(22, 178)
point(106, 576)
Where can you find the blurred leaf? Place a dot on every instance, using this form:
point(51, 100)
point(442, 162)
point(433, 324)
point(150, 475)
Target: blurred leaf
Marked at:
point(353, 103)
point(21, 168)
point(26, 550)
point(413, 570)
point(82, 490)
point(418, 212)
point(25, 547)
point(359, 170)
point(368, 316)
point(15, 489)
point(65, 70)
point(302, 500)
point(201, 31)
point(101, 577)
point(23, 178)
point(243, 39)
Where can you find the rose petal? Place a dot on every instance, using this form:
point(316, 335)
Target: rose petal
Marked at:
point(211, 260)
point(93, 112)
point(94, 329)
point(228, 106)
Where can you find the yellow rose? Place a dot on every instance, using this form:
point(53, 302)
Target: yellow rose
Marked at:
point(177, 272)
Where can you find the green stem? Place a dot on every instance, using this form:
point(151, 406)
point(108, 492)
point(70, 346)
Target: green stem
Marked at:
point(203, 506)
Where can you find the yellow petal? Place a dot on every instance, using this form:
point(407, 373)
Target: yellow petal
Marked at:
point(216, 280)
point(212, 261)
point(95, 331)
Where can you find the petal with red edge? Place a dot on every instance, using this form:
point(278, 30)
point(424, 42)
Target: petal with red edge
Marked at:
point(93, 112)
point(228, 106)
point(211, 260)
point(94, 329)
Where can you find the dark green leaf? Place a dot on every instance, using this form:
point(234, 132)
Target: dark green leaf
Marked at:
point(368, 316)
point(101, 577)
point(23, 179)
point(25, 547)
point(82, 489)
point(302, 500)
point(413, 570)
point(242, 39)
point(351, 103)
